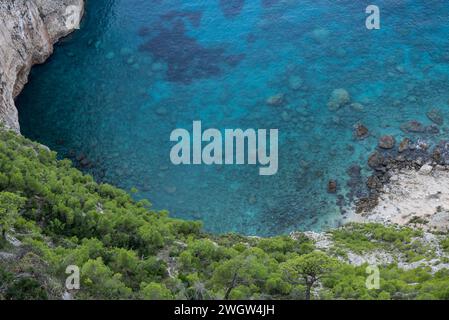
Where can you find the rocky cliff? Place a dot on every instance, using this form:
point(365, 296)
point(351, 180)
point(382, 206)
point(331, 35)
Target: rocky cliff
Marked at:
point(28, 31)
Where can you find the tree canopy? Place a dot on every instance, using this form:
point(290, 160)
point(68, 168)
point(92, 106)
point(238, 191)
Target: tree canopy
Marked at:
point(53, 216)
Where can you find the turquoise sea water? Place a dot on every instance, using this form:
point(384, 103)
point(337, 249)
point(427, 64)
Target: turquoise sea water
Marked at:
point(114, 90)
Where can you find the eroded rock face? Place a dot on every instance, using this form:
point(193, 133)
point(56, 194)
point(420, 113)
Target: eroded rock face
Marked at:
point(28, 31)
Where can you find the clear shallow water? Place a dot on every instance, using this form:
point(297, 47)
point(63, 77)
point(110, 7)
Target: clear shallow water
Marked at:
point(114, 91)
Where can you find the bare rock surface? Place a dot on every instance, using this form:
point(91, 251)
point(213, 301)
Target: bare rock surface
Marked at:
point(415, 197)
point(377, 257)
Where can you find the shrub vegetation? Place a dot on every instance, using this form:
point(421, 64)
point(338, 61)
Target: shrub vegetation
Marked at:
point(53, 216)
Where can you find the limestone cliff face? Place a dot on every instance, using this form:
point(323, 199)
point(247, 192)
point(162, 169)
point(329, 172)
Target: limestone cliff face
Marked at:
point(28, 31)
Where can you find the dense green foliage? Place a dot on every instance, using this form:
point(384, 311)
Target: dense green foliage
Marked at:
point(361, 238)
point(53, 216)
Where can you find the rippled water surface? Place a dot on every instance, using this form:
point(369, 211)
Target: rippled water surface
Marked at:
point(113, 91)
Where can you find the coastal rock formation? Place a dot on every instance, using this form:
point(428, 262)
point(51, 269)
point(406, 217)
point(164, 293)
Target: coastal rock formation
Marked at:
point(28, 31)
point(435, 116)
point(386, 142)
point(413, 127)
point(415, 198)
point(360, 131)
point(332, 186)
point(408, 186)
point(403, 146)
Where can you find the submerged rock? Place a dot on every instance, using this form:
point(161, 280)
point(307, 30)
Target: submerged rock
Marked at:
point(125, 51)
point(413, 127)
point(422, 145)
point(338, 99)
point(80, 157)
point(295, 83)
point(360, 131)
point(386, 142)
point(85, 163)
point(110, 55)
point(374, 183)
point(285, 116)
point(357, 107)
point(435, 116)
point(354, 171)
point(436, 155)
point(432, 129)
point(161, 111)
point(404, 145)
point(130, 60)
point(400, 69)
point(332, 186)
point(336, 120)
point(157, 67)
point(276, 100)
point(252, 199)
point(170, 190)
point(376, 160)
point(320, 35)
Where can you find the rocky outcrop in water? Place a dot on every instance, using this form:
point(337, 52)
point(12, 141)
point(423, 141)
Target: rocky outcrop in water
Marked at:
point(28, 31)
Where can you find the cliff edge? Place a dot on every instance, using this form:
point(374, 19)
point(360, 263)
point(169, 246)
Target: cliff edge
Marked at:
point(28, 31)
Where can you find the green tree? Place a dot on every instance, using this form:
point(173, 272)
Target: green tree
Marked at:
point(26, 289)
point(251, 268)
point(155, 291)
point(308, 269)
point(10, 205)
point(102, 283)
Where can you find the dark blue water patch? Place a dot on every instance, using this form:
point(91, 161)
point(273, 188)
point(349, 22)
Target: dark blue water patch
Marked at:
point(193, 17)
point(110, 106)
point(270, 3)
point(186, 58)
point(231, 8)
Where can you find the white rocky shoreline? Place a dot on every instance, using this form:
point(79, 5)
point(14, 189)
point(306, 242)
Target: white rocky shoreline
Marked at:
point(415, 198)
point(408, 187)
